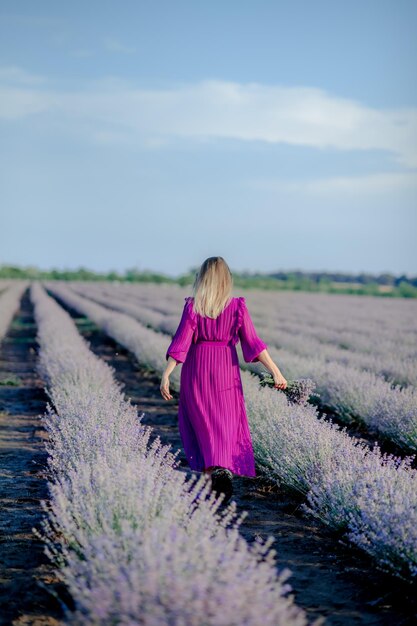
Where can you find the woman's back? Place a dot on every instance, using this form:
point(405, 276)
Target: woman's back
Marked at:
point(222, 328)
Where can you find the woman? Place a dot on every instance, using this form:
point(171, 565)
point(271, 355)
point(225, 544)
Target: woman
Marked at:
point(212, 417)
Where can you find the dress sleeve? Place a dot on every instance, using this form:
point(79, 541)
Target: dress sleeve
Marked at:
point(181, 341)
point(251, 344)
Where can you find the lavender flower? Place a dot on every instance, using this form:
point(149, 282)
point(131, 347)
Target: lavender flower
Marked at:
point(297, 391)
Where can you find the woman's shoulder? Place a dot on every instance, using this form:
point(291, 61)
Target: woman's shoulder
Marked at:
point(242, 307)
point(237, 302)
point(188, 302)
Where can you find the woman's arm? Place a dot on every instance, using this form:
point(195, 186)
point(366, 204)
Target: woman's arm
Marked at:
point(164, 386)
point(180, 344)
point(171, 365)
point(265, 358)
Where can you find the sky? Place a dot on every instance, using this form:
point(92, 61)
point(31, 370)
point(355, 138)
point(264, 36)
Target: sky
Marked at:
point(281, 135)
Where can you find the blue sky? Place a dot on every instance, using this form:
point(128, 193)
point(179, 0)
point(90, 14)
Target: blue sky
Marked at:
point(280, 135)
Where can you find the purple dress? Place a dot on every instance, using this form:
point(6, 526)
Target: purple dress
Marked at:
point(212, 417)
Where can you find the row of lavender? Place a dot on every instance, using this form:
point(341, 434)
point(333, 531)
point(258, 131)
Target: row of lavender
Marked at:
point(354, 394)
point(135, 541)
point(10, 298)
point(370, 498)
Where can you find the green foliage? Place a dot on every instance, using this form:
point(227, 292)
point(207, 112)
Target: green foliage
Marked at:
point(406, 290)
point(10, 380)
point(383, 285)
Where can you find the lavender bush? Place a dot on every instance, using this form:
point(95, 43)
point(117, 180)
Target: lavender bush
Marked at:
point(297, 391)
point(359, 397)
point(382, 524)
point(345, 482)
point(9, 304)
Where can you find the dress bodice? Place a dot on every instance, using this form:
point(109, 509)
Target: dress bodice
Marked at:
point(233, 324)
point(223, 328)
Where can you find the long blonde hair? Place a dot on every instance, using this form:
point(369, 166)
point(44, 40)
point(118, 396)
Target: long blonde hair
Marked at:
point(212, 287)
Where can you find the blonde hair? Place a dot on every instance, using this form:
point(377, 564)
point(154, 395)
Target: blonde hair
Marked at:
point(212, 287)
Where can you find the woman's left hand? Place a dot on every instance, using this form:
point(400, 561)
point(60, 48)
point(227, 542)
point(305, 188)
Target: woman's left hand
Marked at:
point(164, 387)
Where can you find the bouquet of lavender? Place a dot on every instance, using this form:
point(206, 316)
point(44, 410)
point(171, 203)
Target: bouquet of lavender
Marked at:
point(297, 391)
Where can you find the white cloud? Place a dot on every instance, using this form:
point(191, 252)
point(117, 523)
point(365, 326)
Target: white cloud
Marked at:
point(303, 116)
point(17, 103)
point(13, 74)
point(379, 183)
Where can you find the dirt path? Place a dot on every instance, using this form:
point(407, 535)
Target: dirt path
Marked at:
point(22, 484)
point(329, 578)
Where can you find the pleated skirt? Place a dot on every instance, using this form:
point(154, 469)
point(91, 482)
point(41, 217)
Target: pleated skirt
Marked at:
point(212, 418)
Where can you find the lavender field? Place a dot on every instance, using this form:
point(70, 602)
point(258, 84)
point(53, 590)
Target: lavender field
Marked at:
point(122, 532)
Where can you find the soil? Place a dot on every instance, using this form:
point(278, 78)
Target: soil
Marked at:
point(27, 579)
point(330, 577)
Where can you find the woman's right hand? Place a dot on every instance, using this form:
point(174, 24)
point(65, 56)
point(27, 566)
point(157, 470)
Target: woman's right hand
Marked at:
point(164, 387)
point(280, 381)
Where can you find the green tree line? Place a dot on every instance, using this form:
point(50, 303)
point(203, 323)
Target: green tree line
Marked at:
point(384, 285)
